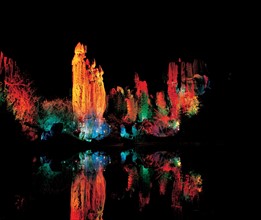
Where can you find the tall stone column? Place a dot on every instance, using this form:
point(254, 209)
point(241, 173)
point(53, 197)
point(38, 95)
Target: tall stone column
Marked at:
point(79, 81)
point(88, 91)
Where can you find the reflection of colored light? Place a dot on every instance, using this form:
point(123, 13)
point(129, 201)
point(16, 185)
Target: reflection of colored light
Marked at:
point(145, 171)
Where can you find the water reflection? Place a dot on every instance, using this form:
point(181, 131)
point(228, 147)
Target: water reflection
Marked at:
point(102, 185)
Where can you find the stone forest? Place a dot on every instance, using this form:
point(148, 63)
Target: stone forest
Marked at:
point(103, 154)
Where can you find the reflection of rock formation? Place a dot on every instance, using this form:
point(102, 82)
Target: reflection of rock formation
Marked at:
point(88, 92)
point(88, 196)
point(88, 190)
point(161, 170)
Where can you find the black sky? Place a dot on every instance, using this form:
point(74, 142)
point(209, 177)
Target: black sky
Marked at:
point(123, 42)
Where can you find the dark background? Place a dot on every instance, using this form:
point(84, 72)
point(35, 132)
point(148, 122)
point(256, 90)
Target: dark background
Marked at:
point(141, 41)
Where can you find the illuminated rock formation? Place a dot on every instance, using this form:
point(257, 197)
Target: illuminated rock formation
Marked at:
point(79, 81)
point(132, 107)
point(19, 95)
point(142, 93)
point(88, 92)
point(88, 96)
point(172, 91)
